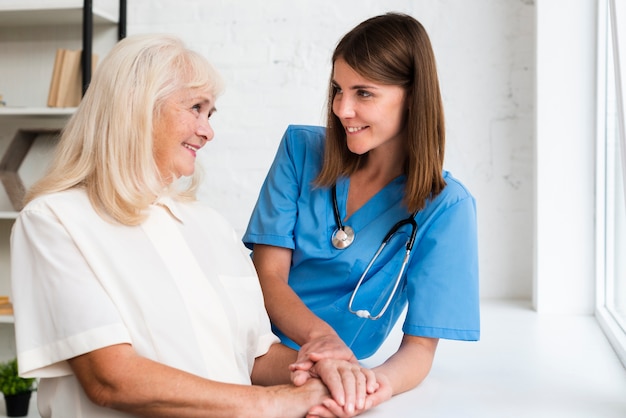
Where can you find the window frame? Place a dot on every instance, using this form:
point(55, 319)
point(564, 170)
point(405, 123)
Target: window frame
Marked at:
point(609, 53)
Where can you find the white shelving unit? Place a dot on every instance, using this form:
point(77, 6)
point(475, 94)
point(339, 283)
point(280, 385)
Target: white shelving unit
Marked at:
point(30, 33)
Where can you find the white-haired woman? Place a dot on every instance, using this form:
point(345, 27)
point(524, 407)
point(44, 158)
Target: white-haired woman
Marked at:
point(130, 296)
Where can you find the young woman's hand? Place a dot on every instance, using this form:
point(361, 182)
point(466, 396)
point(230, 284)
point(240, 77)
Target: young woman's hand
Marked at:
point(348, 383)
point(331, 409)
point(328, 346)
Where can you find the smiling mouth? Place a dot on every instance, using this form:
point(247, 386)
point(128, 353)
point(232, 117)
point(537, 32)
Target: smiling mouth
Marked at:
point(191, 147)
point(354, 129)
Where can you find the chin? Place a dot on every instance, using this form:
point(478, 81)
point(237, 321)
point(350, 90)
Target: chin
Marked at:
point(357, 150)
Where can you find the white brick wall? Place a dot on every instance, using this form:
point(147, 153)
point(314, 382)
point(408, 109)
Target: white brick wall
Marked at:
point(274, 56)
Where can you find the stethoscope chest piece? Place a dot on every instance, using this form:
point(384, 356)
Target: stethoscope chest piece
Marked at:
point(342, 237)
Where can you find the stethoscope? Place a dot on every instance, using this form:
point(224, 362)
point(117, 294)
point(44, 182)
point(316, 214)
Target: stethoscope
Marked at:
point(344, 236)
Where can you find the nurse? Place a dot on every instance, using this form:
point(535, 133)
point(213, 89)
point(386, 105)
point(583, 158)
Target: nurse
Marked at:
point(333, 194)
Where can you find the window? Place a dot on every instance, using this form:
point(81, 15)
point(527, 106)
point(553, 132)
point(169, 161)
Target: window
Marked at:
point(611, 174)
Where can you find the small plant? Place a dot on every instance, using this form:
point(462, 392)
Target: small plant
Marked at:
point(11, 383)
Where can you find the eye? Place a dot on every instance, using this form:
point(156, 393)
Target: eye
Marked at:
point(336, 89)
point(364, 93)
point(196, 108)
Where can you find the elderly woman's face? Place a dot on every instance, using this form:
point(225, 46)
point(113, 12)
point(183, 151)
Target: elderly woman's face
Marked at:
point(182, 128)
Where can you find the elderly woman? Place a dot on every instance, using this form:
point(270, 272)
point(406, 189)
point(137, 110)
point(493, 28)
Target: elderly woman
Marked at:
point(132, 298)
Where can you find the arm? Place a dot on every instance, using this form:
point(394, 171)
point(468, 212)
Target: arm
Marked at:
point(288, 312)
point(348, 382)
point(315, 336)
point(410, 365)
point(116, 377)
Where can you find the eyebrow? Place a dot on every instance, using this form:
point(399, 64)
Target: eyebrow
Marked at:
point(358, 86)
point(203, 100)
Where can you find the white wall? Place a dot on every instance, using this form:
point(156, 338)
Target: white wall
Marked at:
point(274, 56)
point(566, 130)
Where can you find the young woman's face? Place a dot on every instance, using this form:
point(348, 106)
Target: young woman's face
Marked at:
point(181, 129)
point(372, 114)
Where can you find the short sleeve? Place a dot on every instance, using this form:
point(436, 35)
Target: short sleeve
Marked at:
point(61, 310)
point(442, 289)
point(296, 163)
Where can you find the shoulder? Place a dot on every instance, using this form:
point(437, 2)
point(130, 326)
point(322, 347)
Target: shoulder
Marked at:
point(302, 147)
point(306, 132)
point(454, 188)
point(70, 208)
point(304, 136)
point(453, 194)
point(72, 199)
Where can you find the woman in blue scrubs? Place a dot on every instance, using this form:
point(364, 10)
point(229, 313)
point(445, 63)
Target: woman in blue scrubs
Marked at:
point(333, 194)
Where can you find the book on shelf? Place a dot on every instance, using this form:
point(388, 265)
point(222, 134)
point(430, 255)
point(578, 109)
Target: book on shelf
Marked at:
point(6, 308)
point(66, 82)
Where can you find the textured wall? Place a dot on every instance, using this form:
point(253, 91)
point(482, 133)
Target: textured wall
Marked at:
point(274, 56)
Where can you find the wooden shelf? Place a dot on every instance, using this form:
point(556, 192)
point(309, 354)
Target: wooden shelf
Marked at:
point(55, 12)
point(36, 111)
point(30, 33)
point(10, 215)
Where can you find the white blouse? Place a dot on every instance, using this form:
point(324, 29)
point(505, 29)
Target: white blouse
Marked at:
point(180, 288)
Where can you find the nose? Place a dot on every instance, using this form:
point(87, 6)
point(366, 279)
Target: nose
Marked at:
point(343, 107)
point(205, 130)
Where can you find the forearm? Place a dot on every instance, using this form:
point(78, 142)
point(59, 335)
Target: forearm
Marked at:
point(284, 306)
point(227, 401)
point(273, 367)
point(410, 365)
point(115, 377)
point(292, 316)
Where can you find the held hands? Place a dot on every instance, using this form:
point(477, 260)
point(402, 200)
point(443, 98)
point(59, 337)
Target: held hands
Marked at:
point(325, 346)
point(331, 409)
point(349, 385)
point(353, 389)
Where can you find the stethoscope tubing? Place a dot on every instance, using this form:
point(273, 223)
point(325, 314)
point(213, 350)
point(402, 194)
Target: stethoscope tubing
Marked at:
point(363, 313)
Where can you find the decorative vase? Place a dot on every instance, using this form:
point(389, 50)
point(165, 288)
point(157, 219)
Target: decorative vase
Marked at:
point(17, 405)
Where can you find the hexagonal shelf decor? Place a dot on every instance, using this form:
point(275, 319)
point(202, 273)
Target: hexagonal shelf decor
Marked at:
point(13, 159)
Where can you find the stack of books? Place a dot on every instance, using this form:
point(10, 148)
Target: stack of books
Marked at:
point(66, 83)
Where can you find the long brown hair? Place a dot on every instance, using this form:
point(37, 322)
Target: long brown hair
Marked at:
point(393, 49)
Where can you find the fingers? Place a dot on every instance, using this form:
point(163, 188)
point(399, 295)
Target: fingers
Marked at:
point(372, 384)
point(356, 382)
point(348, 383)
point(327, 346)
point(301, 365)
point(300, 377)
point(383, 393)
point(330, 408)
point(340, 355)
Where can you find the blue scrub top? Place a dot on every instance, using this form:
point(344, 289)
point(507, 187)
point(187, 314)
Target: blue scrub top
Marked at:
point(441, 280)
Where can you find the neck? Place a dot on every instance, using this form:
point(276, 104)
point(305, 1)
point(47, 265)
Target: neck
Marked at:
point(383, 165)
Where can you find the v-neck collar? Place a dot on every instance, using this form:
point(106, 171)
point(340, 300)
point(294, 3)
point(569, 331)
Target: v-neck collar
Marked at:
point(384, 199)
